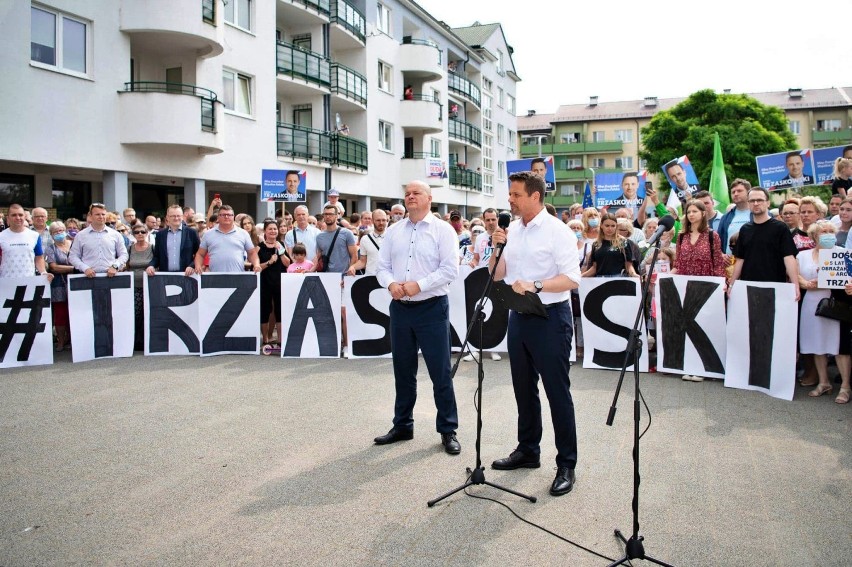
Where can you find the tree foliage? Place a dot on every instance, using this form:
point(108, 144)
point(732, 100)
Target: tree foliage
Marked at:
point(746, 127)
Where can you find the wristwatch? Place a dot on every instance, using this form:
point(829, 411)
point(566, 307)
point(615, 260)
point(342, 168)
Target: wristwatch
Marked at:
point(538, 286)
point(116, 266)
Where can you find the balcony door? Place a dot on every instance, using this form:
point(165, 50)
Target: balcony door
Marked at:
point(174, 79)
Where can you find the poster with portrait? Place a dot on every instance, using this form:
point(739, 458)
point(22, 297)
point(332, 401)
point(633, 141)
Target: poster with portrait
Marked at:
point(682, 178)
point(436, 169)
point(824, 159)
point(543, 164)
point(785, 170)
point(283, 185)
point(618, 190)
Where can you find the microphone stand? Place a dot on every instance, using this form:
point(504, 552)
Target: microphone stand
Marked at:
point(477, 474)
point(634, 549)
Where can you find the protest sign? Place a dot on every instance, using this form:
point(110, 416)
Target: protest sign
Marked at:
point(26, 330)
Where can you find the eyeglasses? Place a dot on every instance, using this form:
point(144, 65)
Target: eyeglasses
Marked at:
point(753, 201)
point(226, 214)
point(138, 231)
point(96, 206)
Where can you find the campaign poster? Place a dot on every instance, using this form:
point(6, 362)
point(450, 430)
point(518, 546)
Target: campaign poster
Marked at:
point(283, 185)
point(785, 170)
point(682, 178)
point(534, 165)
point(824, 159)
point(834, 268)
point(436, 169)
point(618, 190)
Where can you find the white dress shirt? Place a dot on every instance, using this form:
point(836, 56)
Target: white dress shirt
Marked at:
point(539, 251)
point(425, 252)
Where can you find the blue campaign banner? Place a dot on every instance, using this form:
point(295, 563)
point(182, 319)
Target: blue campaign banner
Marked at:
point(283, 185)
point(620, 189)
point(824, 159)
point(681, 178)
point(785, 170)
point(533, 164)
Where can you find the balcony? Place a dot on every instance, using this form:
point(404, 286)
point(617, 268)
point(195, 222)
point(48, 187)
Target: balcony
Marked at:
point(165, 26)
point(350, 28)
point(422, 114)
point(421, 60)
point(578, 148)
point(582, 173)
point(156, 113)
point(463, 88)
point(465, 133)
point(349, 85)
point(415, 165)
point(320, 146)
point(835, 138)
point(302, 73)
point(303, 13)
point(465, 178)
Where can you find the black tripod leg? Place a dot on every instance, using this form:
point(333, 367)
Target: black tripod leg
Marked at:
point(510, 491)
point(450, 493)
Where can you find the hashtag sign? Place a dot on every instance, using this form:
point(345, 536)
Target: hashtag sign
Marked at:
point(30, 329)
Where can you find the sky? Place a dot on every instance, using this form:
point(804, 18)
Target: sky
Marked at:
point(567, 51)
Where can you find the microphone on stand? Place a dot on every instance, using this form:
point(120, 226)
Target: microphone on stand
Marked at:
point(666, 224)
point(503, 220)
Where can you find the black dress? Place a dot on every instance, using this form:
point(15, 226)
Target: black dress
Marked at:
point(270, 280)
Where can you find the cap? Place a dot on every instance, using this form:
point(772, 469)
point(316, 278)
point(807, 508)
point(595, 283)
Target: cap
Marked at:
point(198, 217)
point(333, 192)
point(455, 214)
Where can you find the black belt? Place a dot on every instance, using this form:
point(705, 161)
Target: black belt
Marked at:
point(422, 302)
point(557, 304)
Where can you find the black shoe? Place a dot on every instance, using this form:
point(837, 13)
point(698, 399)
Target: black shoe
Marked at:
point(516, 460)
point(564, 481)
point(394, 435)
point(450, 443)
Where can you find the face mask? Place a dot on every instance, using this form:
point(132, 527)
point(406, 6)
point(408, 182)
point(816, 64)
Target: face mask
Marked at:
point(578, 217)
point(456, 225)
point(827, 240)
point(396, 217)
point(594, 223)
point(72, 233)
point(579, 235)
point(59, 237)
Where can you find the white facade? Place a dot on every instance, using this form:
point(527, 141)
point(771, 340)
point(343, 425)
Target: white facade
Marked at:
point(146, 103)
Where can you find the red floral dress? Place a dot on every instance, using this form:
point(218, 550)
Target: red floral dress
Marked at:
point(696, 259)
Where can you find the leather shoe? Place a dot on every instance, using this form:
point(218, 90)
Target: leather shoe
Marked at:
point(394, 435)
point(564, 481)
point(517, 460)
point(450, 443)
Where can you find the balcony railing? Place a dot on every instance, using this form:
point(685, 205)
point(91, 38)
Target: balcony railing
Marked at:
point(427, 98)
point(465, 178)
point(832, 136)
point(295, 62)
point(420, 155)
point(318, 145)
point(430, 43)
point(465, 88)
point(348, 83)
point(348, 16)
point(465, 132)
point(208, 98)
point(320, 6)
point(208, 11)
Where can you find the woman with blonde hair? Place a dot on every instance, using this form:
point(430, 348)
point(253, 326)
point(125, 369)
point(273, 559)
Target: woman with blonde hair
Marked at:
point(842, 177)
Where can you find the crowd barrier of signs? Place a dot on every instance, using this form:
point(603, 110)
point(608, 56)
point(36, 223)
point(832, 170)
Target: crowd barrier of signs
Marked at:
point(219, 314)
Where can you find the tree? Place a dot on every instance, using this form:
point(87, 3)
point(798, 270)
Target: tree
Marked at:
point(746, 126)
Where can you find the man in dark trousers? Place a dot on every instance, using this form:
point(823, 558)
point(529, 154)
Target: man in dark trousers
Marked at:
point(540, 257)
point(417, 262)
point(174, 246)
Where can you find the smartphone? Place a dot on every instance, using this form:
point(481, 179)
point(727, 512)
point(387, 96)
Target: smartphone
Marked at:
point(217, 196)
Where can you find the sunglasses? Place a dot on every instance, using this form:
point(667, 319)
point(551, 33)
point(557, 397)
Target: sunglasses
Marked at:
point(138, 231)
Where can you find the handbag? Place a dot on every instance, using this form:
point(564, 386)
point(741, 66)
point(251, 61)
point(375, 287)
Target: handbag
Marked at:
point(829, 308)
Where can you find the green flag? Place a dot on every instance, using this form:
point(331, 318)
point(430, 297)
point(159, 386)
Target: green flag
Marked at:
point(718, 179)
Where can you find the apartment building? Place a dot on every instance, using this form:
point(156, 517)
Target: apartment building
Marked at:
point(146, 104)
point(605, 136)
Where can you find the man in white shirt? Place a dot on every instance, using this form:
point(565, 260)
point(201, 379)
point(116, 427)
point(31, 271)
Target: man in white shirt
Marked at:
point(370, 245)
point(302, 232)
point(417, 262)
point(22, 252)
point(540, 257)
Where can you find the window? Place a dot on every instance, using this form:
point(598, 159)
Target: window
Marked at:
point(599, 136)
point(567, 190)
point(238, 13)
point(501, 134)
point(385, 76)
point(501, 97)
point(383, 19)
point(59, 41)
point(571, 163)
point(488, 183)
point(385, 136)
point(17, 189)
point(570, 138)
point(500, 69)
point(599, 163)
point(795, 127)
point(501, 171)
point(236, 92)
point(487, 102)
point(435, 147)
point(486, 84)
point(510, 139)
point(487, 143)
point(643, 164)
point(624, 162)
point(511, 107)
point(624, 135)
point(828, 125)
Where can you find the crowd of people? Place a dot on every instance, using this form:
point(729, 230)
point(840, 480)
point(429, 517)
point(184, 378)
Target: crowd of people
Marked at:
point(748, 241)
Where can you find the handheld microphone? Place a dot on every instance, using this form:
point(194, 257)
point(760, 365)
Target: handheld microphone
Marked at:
point(503, 220)
point(666, 224)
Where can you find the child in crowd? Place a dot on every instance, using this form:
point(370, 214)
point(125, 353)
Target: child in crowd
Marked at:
point(300, 264)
